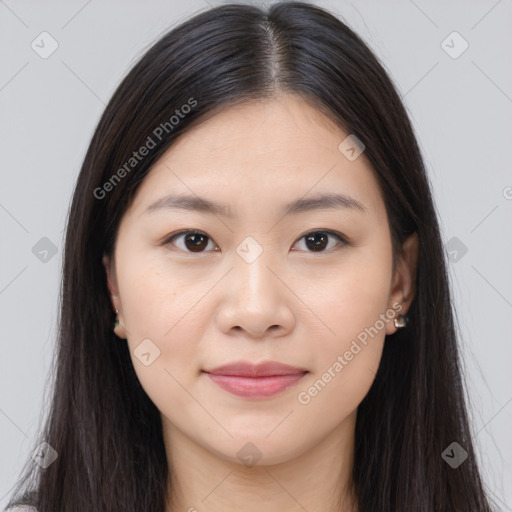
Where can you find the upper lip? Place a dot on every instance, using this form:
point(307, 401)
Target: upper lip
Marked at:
point(248, 369)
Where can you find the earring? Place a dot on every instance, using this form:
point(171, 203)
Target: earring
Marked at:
point(117, 328)
point(400, 321)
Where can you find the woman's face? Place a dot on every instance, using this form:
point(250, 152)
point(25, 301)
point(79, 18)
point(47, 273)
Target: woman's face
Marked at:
point(258, 283)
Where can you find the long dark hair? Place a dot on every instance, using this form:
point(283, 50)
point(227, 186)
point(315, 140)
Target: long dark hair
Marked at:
point(105, 429)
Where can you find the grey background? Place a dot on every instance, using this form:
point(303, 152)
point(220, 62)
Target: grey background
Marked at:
point(461, 109)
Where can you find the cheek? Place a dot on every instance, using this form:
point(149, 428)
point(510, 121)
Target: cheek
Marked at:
point(346, 361)
point(173, 310)
point(331, 397)
point(172, 326)
point(158, 301)
point(164, 325)
point(352, 307)
point(354, 296)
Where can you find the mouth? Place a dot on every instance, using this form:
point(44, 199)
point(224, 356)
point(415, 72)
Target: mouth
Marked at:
point(248, 380)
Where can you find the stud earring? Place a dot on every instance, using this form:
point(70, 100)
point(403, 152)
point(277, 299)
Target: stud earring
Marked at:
point(118, 329)
point(400, 321)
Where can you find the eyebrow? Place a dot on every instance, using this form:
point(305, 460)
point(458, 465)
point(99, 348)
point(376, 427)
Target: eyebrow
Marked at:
point(200, 204)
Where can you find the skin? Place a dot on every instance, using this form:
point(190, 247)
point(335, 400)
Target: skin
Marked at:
point(292, 305)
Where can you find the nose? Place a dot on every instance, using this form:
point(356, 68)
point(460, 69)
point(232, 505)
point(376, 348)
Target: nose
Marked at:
point(256, 300)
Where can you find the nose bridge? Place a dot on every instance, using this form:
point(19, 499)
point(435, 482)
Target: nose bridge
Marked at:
point(254, 299)
point(253, 257)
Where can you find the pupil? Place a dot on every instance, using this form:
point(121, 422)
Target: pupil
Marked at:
point(318, 245)
point(315, 241)
point(197, 240)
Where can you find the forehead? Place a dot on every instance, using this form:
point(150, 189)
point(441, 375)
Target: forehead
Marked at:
point(260, 151)
point(254, 124)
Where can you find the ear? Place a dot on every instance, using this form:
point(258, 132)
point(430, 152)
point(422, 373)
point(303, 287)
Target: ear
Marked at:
point(111, 280)
point(403, 287)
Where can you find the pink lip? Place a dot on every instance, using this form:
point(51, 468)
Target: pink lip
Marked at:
point(255, 381)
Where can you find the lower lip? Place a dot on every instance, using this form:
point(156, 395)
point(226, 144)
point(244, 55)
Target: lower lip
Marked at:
point(255, 387)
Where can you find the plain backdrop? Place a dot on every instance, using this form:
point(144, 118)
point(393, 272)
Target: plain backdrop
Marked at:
point(456, 87)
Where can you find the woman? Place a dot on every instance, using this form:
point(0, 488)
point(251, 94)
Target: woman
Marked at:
point(254, 215)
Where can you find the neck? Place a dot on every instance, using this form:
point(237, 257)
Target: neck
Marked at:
point(316, 478)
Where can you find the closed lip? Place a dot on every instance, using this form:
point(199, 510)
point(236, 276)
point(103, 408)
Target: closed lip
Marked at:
point(248, 369)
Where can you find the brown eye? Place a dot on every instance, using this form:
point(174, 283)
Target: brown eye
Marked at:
point(196, 241)
point(193, 241)
point(318, 241)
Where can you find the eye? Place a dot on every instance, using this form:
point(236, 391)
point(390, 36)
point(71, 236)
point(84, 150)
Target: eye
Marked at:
point(196, 241)
point(318, 240)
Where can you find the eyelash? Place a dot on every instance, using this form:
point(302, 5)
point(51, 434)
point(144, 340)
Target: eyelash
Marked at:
point(343, 240)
